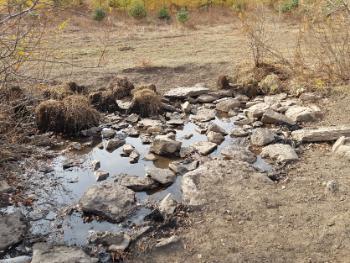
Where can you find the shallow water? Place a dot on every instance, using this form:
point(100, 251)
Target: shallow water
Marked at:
point(69, 185)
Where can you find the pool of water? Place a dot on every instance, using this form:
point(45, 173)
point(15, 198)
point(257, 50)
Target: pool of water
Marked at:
point(64, 188)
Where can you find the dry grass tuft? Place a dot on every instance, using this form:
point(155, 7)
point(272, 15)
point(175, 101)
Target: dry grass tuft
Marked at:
point(120, 87)
point(103, 101)
point(146, 102)
point(69, 116)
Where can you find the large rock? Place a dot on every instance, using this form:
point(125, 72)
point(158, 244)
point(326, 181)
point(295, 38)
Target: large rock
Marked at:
point(162, 176)
point(108, 133)
point(342, 147)
point(238, 153)
point(280, 152)
point(60, 254)
point(163, 145)
point(182, 167)
point(204, 148)
point(228, 105)
point(262, 137)
point(110, 200)
point(257, 111)
point(304, 114)
point(137, 183)
point(272, 117)
point(147, 123)
point(215, 137)
point(12, 230)
point(274, 99)
point(168, 205)
point(191, 195)
point(114, 144)
point(4, 187)
point(183, 92)
point(20, 259)
point(206, 98)
point(213, 127)
point(321, 134)
point(204, 115)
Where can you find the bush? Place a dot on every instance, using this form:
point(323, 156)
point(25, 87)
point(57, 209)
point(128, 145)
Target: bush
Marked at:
point(239, 5)
point(164, 13)
point(289, 5)
point(137, 10)
point(69, 116)
point(182, 16)
point(146, 101)
point(99, 14)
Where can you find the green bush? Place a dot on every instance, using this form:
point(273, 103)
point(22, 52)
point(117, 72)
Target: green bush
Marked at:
point(99, 14)
point(182, 16)
point(137, 10)
point(164, 13)
point(289, 5)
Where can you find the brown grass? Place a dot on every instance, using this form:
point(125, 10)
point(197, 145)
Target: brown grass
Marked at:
point(103, 101)
point(120, 87)
point(69, 116)
point(146, 102)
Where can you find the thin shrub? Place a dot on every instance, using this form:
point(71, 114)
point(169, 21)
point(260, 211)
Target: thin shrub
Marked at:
point(163, 13)
point(182, 15)
point(137, 10)
point(99, 14)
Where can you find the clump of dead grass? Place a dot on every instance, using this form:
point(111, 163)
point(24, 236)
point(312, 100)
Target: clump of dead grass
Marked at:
point(146, 102)
point(68, 116)
point(120, 87)
point(103, 101)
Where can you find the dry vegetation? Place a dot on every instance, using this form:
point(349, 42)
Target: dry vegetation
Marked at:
point(315, 55)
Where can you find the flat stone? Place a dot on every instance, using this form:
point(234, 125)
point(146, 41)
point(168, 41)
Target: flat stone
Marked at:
point(108, 133)
point(206, 98)
point(162, 145)
point(12, 229)
point(280, 152)
point(342, 147)
point(239, 132)
point(183, 92)
point(114, 144)
point(262, 137)
point(182, 167)
point(215, 137)
point(238, 153)
point(146, 123)
point(137, 183)
point(321, 134)
point(186, 151)
point(191, 195)
point(42, 252)
point(272, 117)
point(110, 200)
point(162, 176)
point(213, 127)
point(257, 111)
point(304, 114)
point(204, 115)
point(175, 122)
point(146, 139)
point(310, 97)
point(204, 148)
point(133, 118)
point(228, 105)
point(273, 99)
point(20, 259)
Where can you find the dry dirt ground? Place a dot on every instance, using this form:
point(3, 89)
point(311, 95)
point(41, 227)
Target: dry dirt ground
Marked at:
point(295, 220)
point(167, 55)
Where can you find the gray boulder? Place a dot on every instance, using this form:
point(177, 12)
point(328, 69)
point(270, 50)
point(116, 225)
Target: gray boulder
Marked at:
point(304, 114)
point(280, 152)
point(215, 137)
point(262, 137)
point(163, 145)
point(238, 153)
point(204, 148)
point(110, 200)
point(12, 229)
point(228, 105)
point(272, 117)
point(42, 252)
point(162, 176)
point(183, 92)
point(137, 183)
point(321, 134)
